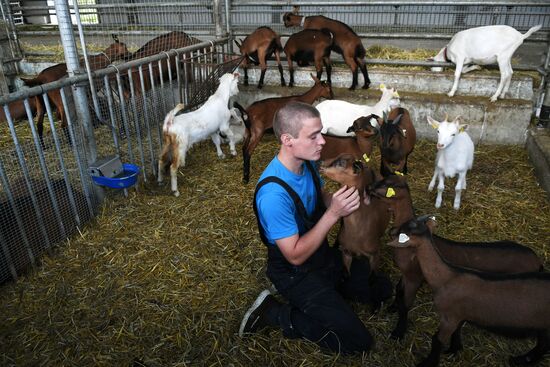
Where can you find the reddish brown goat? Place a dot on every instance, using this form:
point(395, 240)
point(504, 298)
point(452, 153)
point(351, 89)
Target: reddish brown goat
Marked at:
point(259, 117)
point(495, 257)
point(362, 230)
point(165, 42)
point(116, 51)
point(309, 45)
point(498, 302)
point(257, 47)
point(360, 145)
point(397, 139)
point(346, 41)
point(17, 110)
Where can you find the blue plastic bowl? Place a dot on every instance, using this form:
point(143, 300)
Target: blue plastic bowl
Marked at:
point(128, 177)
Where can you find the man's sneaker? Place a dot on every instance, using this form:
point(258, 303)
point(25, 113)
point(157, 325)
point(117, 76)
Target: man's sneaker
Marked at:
point(257, 316)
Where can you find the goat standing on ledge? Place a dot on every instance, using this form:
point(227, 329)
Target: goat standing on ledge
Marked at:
point(455, 155)
point(346, 41)
point(179, 133)
point(258, 46)
point(483, 46)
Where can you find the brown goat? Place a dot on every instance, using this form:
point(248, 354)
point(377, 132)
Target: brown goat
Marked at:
point(17, 110)
point(362, 230)
point(496, 257)
point(346, 41)
point(165, 42)
point(115, 51)
point(397, 139)
point(259, 117)
point(501, 303)
point(257, 47)
point(309, 45)
point(360, 146)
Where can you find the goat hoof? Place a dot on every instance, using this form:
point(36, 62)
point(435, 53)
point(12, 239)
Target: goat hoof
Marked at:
point(260, 86)
point(366, 86)
point(397, 335)
point(352, 87)
point(176, 193)
point(283, 84)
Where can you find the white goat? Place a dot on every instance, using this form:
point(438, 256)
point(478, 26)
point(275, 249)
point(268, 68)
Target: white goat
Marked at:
point(483, 46)
point(455, 155)
point(337, 115)
point(236, 124)
point(179, 133)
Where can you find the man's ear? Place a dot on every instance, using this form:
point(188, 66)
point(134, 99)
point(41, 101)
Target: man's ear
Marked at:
point(286, 139)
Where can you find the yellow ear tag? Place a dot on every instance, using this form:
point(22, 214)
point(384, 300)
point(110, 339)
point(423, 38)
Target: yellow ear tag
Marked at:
point(399, 173)
point(390, 192)
point(461, 130)
point(366, 158)
point(396, 95)
point(382, 86)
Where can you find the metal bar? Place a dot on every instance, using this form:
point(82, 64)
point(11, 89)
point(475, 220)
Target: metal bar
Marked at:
point(26, 175)
point(84, 177)
point(110, 105)
point(61, 159)
point(146, 116)
point(136, 120)
point(124, 116)
point(45, 172)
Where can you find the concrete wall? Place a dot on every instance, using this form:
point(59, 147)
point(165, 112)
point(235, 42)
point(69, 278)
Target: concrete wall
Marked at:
point(424, 93)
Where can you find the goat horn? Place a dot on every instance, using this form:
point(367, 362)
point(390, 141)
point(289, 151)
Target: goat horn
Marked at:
point(397, 119)
point(446, 117)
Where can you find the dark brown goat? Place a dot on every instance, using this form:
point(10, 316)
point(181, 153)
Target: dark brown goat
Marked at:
point(500, 303)
point(165, 42)
point(309, 45)
point(115, 51)
point(362, 230)
point(17, 110)
point(496, 257)
point(259, 117)
point(397, 139)
point(257, 47)
point(346, 41)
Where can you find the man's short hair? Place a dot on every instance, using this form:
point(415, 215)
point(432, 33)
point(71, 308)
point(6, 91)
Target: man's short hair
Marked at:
point(288, 119)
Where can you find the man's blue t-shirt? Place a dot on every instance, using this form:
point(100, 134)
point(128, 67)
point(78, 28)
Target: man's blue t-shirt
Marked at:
point(276, 210)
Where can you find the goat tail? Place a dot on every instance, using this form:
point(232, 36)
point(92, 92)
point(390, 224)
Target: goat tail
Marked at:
point(168, 147)
point(360, 51)
point(531, 31)
point(328, 33)
point(278, 43)
point(243, 114)
point(169, 119)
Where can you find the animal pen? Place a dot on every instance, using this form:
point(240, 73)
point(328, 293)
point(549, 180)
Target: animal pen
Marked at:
point(148, 279)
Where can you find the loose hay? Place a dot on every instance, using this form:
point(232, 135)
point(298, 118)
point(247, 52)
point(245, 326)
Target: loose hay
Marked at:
point(164, 281)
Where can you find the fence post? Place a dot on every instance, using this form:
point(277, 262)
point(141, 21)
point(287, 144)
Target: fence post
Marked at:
point(73, 67)
point(217, 15)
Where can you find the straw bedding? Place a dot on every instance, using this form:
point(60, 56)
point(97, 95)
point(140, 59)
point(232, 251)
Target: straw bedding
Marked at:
point(164, 281)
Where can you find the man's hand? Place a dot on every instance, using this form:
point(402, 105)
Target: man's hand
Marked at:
point(344, 201)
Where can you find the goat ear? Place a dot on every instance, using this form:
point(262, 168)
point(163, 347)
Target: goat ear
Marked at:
point(433, 123)
point(295, 9)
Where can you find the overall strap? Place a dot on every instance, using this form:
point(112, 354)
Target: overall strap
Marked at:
point(297, 203)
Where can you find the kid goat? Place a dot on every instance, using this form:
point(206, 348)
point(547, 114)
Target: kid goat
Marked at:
point(179, 133)
point(455, 155)
point(507, 257)
point(500, 303)
point(483, 46)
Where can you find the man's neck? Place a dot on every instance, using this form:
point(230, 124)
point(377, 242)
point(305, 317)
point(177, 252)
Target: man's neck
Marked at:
point(292, 163)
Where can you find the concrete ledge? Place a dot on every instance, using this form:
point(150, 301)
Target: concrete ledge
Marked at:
point(503, 122)
point(538, 149)
point(478, 84)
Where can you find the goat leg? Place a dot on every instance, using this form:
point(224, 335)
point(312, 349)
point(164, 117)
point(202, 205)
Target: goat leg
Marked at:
point(432, 360)
point(535, 354)
point(456, 341)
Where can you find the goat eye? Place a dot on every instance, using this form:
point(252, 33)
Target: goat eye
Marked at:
point(453, 135)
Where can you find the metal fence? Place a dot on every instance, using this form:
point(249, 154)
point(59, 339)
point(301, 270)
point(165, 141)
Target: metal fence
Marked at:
point(46, 191)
